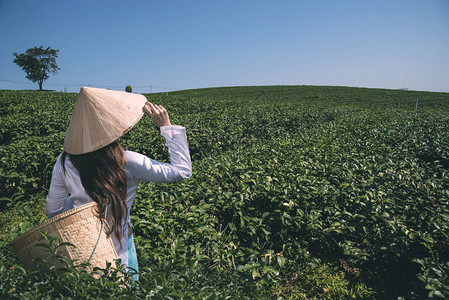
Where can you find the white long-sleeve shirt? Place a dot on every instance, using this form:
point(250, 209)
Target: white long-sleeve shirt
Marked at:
point(66, 190)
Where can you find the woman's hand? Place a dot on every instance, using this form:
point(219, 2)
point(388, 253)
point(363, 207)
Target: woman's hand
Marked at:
point(157, 113)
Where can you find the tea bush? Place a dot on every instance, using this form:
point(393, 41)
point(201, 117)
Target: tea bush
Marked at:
point(298, 192)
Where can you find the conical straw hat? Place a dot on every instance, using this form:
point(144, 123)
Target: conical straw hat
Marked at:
point(101, 117)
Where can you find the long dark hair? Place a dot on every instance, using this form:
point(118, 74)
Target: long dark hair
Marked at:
point(103, 176)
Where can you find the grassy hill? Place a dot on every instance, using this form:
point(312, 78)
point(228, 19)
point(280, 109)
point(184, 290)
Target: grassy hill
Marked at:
point(324, 95)
point(298, 192)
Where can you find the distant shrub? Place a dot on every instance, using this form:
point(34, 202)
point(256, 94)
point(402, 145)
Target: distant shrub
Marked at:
point(129, 89)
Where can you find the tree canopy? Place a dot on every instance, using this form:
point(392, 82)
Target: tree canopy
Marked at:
point(38, 63)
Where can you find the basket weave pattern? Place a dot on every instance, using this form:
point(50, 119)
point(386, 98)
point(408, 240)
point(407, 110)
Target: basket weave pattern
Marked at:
point(78, 226)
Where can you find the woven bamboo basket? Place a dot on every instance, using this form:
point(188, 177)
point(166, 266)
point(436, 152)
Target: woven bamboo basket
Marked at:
point(78, 226)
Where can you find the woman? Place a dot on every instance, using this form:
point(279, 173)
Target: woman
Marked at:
point(94, 167)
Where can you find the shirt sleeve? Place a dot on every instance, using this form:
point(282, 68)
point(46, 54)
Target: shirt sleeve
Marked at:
point(58, 196)
point(146, 169)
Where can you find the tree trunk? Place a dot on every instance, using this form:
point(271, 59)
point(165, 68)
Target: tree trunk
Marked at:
point(40, 84)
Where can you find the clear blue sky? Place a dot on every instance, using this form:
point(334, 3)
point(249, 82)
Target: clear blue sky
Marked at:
point(194, 44)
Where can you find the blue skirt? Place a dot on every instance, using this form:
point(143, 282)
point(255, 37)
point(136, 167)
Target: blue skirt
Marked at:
point(132, 258)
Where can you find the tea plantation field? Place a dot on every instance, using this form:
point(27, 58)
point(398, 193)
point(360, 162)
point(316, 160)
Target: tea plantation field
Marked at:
point(298, 192)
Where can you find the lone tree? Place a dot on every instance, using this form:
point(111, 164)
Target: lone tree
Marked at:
point(38, 63)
